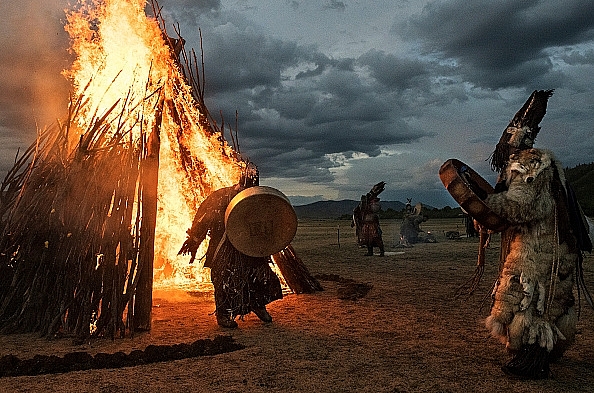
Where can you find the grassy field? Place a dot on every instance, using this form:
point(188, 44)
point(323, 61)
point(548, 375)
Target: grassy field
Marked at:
point(407, 334)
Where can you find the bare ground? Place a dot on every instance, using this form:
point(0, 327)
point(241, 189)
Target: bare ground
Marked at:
point(408, 334)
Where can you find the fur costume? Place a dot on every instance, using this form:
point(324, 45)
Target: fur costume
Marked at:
point(533, 309)
point(522, 130)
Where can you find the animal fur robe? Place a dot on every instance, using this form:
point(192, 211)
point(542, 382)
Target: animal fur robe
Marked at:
point(533, 309)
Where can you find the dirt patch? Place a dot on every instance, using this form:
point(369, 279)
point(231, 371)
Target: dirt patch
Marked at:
point(401, 331)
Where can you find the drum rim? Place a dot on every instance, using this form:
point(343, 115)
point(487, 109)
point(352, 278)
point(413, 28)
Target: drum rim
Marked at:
point(468, 199)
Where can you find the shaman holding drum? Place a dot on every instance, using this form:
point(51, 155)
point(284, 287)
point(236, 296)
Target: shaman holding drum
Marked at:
point(242, 283)
point(533, 311)
point(543, 236)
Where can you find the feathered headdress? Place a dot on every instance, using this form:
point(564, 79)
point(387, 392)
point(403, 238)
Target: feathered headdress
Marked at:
point(522, 130)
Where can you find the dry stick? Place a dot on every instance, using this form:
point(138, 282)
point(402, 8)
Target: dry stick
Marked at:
point(16, 292)
point(135, 266)
point(114, 239)
point(131, 286)
point(81, 326)
point(236, 140)
point(105, 254)
point(126, 247)
point(28, 317)
point(124, 235)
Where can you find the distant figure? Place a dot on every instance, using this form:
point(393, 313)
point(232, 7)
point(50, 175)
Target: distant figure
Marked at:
point(410, 228)
point(366, 220)
point(408, 209)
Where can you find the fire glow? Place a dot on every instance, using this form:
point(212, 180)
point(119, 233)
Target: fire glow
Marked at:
point(124, 69)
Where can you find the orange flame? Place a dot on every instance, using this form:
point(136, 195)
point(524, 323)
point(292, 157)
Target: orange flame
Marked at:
point(122, 67)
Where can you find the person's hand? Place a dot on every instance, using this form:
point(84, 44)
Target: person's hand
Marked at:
point(190, 246)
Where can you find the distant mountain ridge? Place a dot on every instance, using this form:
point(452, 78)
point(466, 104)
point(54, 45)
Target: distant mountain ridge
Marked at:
point(336, 209)
point(580, 177)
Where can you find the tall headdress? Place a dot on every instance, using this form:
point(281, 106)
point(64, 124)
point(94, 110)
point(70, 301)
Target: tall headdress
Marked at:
point(522, 130)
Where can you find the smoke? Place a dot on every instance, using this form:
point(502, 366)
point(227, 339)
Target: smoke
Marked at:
point(33, 52)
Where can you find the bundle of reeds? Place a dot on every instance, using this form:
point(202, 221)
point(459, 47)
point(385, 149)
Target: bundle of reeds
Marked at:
point(71, 231)
point(294, 271)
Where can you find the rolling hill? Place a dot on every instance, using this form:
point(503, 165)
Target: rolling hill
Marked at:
point(336, 209)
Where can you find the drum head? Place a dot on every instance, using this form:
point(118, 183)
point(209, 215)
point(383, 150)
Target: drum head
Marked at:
point(260, 221)
point(465, 186)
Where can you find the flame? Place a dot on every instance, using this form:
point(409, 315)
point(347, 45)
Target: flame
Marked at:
point(123, 68)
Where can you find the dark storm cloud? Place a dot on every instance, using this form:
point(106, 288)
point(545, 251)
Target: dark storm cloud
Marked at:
point(197, 5)
point(395, 72)
point(501, 43)
point(333, 110)
point(239, 60)
point(296, 105)
point(323, 106)
point(335, 5)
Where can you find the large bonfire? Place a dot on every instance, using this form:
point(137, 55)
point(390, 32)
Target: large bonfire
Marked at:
point(128, 71)
point(106, 194)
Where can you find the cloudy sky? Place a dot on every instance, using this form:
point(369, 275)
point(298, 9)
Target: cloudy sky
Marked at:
point(335, 96)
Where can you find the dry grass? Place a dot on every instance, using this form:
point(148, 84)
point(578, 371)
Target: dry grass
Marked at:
point(407, 334)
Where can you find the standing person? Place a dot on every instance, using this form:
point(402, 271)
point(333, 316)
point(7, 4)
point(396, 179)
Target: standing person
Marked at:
point(533, 304)
point(533, 307)
point(366, 218)
point(242, 283)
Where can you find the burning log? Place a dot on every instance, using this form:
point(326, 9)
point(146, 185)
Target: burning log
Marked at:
point(150, 181)
point(294, 271)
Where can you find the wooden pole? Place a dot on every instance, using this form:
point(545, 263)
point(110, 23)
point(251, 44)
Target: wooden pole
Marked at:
point(149, 180)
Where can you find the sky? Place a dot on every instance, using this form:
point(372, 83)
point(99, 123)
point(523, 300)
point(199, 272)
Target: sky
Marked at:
point(335, 96)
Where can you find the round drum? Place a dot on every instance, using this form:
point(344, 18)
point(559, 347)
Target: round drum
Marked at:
point(469, 189)
point(260, 221)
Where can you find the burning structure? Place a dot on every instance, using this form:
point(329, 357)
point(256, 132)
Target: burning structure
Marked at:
point(94, 211)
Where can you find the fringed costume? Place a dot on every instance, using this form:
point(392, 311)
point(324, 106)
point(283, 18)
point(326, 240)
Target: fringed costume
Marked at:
point(242, 283)
point(533, 310)
point(543, 236)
